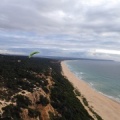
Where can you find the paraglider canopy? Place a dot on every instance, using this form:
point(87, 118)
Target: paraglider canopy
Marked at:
point(33, 53)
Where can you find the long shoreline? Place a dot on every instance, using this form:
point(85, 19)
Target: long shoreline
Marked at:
point(105, 107)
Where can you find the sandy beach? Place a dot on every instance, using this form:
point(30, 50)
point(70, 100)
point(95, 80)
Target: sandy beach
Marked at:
point(103, 106)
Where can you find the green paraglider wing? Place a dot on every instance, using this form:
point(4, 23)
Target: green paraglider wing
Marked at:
point(33, 53)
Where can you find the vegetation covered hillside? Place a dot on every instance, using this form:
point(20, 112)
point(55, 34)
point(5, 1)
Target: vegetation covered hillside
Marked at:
point(34, 89)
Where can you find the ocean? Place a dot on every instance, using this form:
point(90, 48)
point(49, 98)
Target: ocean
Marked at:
point(103, 76)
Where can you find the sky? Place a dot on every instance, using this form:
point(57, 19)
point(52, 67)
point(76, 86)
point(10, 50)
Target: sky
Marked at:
point(69, 28)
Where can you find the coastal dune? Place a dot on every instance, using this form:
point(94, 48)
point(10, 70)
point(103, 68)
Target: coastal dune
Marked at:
point(102, 105)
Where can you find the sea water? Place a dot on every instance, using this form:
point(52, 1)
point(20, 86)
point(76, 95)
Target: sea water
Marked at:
point(103, 76)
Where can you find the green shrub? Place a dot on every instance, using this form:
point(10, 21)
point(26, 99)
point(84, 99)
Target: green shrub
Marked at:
point(22, 101)
point(45, 89)
point(77, 92)
point(11, 111)
point(33, 113)
point(43, 100)
point(85, 101)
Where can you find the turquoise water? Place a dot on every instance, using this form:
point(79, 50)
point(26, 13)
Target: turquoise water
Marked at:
point(103, 76)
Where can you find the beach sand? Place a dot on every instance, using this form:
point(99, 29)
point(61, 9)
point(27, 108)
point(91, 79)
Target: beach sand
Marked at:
point(102, 105)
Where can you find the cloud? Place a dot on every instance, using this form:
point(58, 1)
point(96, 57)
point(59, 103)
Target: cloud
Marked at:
point(65, 16)
point(6, 52)
point(65, 27)
point(114, 52)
